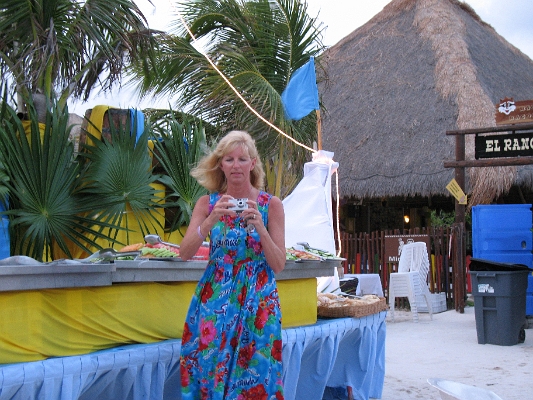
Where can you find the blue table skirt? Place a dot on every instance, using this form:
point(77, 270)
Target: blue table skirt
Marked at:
point(334, 353)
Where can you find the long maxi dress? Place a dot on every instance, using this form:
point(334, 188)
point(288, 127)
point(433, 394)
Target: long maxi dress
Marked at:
point(231, 345)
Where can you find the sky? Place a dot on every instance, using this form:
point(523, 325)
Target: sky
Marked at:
point(512, 19)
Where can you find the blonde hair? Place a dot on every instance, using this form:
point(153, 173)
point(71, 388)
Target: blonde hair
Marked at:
point(208, 172)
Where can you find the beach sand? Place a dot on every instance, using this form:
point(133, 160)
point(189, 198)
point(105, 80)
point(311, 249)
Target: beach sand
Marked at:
point(447, 347)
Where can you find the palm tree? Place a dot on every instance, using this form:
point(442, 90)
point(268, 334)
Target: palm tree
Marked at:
point(69, 46)
point(257, 45)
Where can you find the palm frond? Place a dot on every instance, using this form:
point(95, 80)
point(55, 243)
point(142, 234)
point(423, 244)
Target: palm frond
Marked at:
point(180, 148)
point(118, 181)
point(257, 45)
point(45, 206)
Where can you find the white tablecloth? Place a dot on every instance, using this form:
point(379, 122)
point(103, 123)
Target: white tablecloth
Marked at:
point(336, 353)
point(368, 284)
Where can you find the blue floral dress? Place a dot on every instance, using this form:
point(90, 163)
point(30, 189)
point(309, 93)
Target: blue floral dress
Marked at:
point(231, 345)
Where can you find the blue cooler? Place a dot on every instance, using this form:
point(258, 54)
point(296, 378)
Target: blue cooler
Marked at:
point(503, 233)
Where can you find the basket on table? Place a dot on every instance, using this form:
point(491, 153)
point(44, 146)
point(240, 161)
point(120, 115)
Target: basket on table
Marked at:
point(341, 307)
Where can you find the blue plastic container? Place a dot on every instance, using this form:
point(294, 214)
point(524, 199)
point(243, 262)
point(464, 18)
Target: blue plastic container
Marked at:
point(503, 233)
point(4, 234)
point(4, 238)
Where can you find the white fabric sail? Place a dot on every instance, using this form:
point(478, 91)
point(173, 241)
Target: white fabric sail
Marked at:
point(308, 211)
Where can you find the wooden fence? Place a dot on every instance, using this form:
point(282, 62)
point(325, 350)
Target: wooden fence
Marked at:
point(365, 253)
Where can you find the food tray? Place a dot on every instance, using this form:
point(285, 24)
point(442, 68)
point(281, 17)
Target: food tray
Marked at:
point(353, 310)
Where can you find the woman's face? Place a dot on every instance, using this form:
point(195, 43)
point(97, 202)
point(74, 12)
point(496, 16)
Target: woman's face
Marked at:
point(237, 165)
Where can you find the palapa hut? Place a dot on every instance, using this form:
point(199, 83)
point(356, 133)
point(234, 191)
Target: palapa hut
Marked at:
point(391, 90)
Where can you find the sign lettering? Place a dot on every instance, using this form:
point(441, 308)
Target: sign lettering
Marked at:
point(507, 145)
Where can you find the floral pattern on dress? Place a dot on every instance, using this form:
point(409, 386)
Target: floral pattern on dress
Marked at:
point(231, 345)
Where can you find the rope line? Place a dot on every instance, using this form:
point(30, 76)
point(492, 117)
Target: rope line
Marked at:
point(184, 23)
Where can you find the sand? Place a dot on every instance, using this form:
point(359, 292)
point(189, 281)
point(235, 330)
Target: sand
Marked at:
point(447, 347)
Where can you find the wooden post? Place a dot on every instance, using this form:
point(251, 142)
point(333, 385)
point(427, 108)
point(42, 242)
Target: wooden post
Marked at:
point(319, 129)
point(459, 232)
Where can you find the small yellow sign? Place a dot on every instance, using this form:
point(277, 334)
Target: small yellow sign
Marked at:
point(454, 188)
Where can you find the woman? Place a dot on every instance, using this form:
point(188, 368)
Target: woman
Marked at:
point(231, 344)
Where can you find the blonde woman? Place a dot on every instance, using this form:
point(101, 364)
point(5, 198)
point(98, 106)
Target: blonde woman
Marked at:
point(231, 344)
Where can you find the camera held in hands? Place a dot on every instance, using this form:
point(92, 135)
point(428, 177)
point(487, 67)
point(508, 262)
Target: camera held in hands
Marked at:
point(239, 205)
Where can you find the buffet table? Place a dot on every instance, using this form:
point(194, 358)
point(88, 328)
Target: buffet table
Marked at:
point(336, 352)
point(80, 331)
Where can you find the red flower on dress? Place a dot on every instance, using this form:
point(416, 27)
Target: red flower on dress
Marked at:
point(242, 295)
point(207, 292)
point(256, 393)
point(261, 317)
point(234, 342)
point(220, 373)
point(245, 355)
point(279, 396)
point(262, 279)
point(276, 350)
point(207, 334)
point(219, 274)
point(237, 267)
point(184, 374)
point(223, 341)
point(186, 336)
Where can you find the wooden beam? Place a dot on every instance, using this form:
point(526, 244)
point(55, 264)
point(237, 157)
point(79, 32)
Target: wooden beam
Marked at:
point(489, 162)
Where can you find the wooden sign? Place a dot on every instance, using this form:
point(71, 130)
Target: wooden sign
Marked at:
point(395, 243)
point(509, 112)
point(506, 145)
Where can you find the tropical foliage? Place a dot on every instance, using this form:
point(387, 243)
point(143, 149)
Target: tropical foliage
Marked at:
point(256, 45)
point(43, 183)
point(70, 46)
point(179, 148)
point(58, 202)
point(118, 179)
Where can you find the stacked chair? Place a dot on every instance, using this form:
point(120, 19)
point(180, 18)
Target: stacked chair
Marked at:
point(411, 278)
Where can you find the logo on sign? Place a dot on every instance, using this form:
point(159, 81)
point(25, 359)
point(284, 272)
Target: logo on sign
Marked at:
point(507, 106)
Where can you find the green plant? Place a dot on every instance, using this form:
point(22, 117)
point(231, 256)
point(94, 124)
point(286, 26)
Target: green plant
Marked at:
point(70, 45)
point(445, 219)
point(442, 219)
point(46, 207)
point(118, 180)
point(180, 147)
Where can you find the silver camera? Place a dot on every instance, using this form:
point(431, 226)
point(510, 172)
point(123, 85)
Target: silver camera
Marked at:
point(239, 205)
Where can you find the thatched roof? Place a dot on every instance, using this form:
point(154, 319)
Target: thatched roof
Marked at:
point(398, 83)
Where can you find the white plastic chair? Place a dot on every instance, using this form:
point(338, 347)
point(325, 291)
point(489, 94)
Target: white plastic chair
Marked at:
point(450, 390)
point(411, 278)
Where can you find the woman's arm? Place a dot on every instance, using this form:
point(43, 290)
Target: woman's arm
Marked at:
point(273, 237)
point(205, 220)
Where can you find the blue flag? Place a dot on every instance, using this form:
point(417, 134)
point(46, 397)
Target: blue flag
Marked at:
point(300, 97)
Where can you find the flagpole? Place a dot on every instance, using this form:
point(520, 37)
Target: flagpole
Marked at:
point(319, 129)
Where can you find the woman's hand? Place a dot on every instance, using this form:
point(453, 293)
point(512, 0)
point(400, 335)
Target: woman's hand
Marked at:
point(252, 216)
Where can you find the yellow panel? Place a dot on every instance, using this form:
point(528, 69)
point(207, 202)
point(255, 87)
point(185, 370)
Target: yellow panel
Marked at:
point(37, 324)
point(60, 322)
point(298, 302)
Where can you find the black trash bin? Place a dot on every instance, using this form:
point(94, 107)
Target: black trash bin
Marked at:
point(499, 291)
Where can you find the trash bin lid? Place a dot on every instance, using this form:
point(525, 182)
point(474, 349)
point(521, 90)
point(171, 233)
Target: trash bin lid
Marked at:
point(478, 264)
